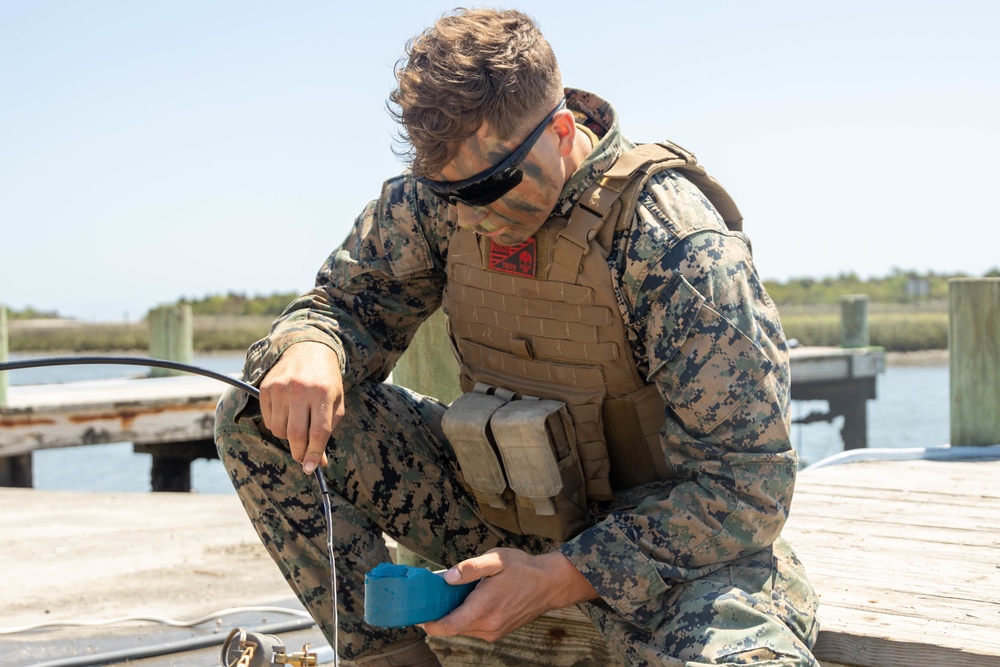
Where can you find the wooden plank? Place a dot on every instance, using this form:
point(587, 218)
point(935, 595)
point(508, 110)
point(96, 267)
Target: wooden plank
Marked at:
point(946, 477)
point(146, 411)
point(866, 639)
point(109, 393)
point(903, 555)
point(561, 638)
point(822, 369)
point(140, 424)
point(888, 506)
point(829, 364)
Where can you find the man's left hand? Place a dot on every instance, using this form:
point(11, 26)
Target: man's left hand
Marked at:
point(515, 588)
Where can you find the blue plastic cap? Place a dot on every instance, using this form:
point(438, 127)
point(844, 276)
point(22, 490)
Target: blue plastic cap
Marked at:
point(401, 595)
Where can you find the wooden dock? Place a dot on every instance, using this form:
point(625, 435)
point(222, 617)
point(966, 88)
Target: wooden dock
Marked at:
point(180, 412)
point(843, 377)
point(904, 557)
point(902, 553)
point(170, 417)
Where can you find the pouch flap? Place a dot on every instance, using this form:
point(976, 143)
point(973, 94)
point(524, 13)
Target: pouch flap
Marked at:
point(531, 436)
point(466, 425)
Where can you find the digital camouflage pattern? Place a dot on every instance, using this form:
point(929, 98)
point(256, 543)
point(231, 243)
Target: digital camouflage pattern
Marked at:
point(390, 469)
point(688, 567)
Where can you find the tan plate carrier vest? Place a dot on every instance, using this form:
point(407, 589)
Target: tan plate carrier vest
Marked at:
point(555, 411)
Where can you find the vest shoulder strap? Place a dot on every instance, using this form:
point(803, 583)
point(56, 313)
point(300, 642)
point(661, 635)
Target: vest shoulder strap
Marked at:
point(622, 184)
point(630, 172)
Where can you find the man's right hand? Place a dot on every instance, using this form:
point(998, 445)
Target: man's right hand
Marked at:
point(302, 400)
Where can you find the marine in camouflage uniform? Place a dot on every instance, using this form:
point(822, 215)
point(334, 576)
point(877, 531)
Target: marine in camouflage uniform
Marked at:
point(689, 571)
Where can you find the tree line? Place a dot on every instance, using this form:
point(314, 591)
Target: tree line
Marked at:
point(899, 287)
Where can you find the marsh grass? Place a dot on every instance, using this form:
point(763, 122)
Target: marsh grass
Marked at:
point(211, 334)
point(896, 328)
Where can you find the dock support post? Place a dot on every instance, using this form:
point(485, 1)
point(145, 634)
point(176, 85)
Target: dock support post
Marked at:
point(853, 406)
point(4, 352)
point(854, 320)
point(15, 471)
point(171, 470)
point(974, 360)
point(171, 337)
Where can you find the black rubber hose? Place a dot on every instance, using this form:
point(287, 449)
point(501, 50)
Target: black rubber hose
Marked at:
point(128, 361)
point(123, 655)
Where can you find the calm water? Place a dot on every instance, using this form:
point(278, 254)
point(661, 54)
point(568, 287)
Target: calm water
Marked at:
point(911, 411)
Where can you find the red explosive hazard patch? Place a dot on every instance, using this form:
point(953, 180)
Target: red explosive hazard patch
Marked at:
point(516, 260)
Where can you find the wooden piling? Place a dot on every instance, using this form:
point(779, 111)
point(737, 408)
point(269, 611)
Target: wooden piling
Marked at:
point(171, 336)
point(14, 470)
point(854, 320)
point(4, 352)
point(974, 358)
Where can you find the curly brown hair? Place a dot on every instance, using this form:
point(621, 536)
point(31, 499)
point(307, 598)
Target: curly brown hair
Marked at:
point(473, 66)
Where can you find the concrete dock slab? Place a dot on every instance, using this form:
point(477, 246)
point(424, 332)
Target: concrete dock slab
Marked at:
point(70, 556)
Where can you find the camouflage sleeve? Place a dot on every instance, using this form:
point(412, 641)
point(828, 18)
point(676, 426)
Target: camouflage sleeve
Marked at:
point(373, 291)
point(706, 333)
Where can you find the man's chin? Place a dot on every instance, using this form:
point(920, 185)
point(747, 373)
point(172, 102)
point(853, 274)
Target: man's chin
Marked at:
point(509, 239)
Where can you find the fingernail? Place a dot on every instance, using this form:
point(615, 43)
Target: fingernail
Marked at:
point(452, 576)
point(308, 467)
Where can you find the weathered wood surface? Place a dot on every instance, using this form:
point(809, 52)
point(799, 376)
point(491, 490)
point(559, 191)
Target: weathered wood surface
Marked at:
point(904, 555)
point(561, 638)
point(974, 344)
point(142, 411)
point(819, 364)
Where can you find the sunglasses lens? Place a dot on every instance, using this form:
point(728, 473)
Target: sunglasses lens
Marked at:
point(483, 192)
point(489, 189)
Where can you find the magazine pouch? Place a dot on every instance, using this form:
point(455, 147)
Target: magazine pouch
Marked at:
point(538, 448)
point(466, 424)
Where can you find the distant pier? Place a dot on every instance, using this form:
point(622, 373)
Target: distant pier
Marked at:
point(172, 418)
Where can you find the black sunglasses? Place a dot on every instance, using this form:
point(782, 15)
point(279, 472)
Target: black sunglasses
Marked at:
point(489, 185)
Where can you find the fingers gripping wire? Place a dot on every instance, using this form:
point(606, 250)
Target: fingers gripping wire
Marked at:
point(222, 377)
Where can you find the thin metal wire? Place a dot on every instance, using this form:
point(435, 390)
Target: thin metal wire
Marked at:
point(222, 377)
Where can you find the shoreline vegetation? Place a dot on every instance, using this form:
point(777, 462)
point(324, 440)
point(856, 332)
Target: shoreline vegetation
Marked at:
point(897, 329)
point(907, 313)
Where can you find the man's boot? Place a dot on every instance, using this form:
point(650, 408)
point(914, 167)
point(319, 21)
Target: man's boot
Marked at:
point(408, 654)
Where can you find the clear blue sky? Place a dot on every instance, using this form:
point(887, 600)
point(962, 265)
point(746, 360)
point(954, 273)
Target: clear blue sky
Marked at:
point(153, 150)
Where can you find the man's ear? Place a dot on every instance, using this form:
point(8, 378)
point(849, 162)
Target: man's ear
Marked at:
point(565, 126)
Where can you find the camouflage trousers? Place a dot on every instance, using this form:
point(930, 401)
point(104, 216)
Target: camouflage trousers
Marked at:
point(392, 471)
